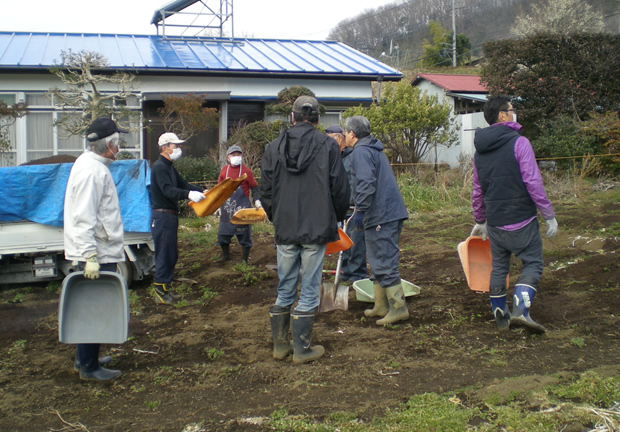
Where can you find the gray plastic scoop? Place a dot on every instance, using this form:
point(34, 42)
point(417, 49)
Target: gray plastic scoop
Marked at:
point(93, 310)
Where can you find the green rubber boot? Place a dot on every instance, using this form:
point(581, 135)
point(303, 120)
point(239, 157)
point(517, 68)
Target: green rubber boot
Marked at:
point(397, 304)
point(280, 318)
point(380, 309)
point(302, 335)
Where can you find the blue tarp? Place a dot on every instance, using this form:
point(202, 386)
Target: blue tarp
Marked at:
point(37, 193)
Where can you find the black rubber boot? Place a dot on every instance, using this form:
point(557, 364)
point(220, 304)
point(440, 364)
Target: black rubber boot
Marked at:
point(99, 374)
point(246, 254)
point(163, 294)
point(302, 335)
point(102, 362)
point(280, 318)
point(225, 252)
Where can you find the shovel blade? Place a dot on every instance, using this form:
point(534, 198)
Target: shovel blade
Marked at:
point(333, 297)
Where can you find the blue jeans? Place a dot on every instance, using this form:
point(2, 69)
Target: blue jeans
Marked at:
point(291, 259)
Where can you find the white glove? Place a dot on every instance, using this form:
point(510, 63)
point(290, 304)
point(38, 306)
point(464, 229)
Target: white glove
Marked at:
point(480, 230)
point(196, 196)
point(258, 204)
point(552, 228)
point(91, 269)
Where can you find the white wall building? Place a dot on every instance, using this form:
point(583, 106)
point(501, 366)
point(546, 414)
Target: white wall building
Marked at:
point(466, 97)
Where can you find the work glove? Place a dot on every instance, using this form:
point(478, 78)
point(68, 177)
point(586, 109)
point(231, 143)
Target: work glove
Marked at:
point(258, 204)
point(196, 196)
point(91, 269)
point(358, 221)
point(480, 229)
point(552, 228)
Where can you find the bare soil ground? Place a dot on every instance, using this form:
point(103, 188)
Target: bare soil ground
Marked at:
point(212, 363)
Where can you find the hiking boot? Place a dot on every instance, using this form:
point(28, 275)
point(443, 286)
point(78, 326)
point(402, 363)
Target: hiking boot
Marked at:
point(163, 295)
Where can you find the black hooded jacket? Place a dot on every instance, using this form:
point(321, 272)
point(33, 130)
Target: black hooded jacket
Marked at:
point(304, 185)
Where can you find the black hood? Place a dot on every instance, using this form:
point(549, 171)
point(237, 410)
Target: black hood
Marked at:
point(491, 138)
point(297, 147)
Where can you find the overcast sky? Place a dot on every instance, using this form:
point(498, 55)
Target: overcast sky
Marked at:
point(278, 19)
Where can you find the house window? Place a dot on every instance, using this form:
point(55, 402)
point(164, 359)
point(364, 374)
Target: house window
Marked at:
point(40, 135)
point(8, 154)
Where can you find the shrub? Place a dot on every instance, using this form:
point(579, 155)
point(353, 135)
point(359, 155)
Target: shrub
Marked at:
point(196, 170)
point(566, 137)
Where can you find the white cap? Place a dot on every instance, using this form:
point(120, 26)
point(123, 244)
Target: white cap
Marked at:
point(169, 138)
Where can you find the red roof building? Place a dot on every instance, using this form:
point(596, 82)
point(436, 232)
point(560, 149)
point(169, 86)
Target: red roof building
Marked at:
point(452, 83)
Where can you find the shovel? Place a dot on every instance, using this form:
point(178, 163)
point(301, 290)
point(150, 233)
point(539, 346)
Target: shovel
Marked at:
point(334, 296)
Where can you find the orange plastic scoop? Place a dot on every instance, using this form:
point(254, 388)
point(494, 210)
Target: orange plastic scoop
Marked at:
point(248, 216)
point(476, 260)
point(339, 245)
point(216, 196)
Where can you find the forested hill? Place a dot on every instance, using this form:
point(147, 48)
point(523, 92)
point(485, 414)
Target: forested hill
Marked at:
point(402, 25)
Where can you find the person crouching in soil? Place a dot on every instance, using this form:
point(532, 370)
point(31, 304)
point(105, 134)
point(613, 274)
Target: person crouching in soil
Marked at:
point(240, 199)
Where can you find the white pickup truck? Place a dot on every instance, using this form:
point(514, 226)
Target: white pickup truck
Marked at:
point(31, 233)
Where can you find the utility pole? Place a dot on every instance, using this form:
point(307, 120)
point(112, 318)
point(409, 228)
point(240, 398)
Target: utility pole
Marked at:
point(453, 36)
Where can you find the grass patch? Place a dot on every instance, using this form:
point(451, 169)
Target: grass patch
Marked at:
point(251, 275)
point(570, 405)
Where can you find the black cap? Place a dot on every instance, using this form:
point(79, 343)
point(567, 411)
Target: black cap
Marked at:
point(334, 129)
point(306, 105)
point(101, 128)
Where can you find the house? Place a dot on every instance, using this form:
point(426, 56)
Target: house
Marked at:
point(236, 76)
point(466, 95)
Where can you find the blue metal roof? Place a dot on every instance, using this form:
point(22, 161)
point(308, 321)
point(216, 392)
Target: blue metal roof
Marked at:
point(195, 55)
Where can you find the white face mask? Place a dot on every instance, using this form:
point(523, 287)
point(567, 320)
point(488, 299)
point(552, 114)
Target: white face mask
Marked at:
point(235, 160)
point(514, 117)
point(176, 153)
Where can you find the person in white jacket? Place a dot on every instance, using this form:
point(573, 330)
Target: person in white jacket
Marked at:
point(93, 229)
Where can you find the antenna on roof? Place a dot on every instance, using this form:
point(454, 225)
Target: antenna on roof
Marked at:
point(200, 15)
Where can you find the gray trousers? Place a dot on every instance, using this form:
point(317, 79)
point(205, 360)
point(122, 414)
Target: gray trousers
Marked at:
point(526, 245)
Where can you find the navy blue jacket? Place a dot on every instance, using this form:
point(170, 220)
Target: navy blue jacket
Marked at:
point(376, 191)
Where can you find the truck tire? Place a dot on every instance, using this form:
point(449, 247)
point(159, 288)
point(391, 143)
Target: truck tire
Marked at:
point(125, 270)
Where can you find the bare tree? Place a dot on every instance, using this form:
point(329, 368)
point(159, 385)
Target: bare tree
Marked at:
point(559, 16)
point(87, 95)
point(187, 116)
point(8, 115)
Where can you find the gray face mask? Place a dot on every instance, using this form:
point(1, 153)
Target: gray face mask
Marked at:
point(176, 154)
